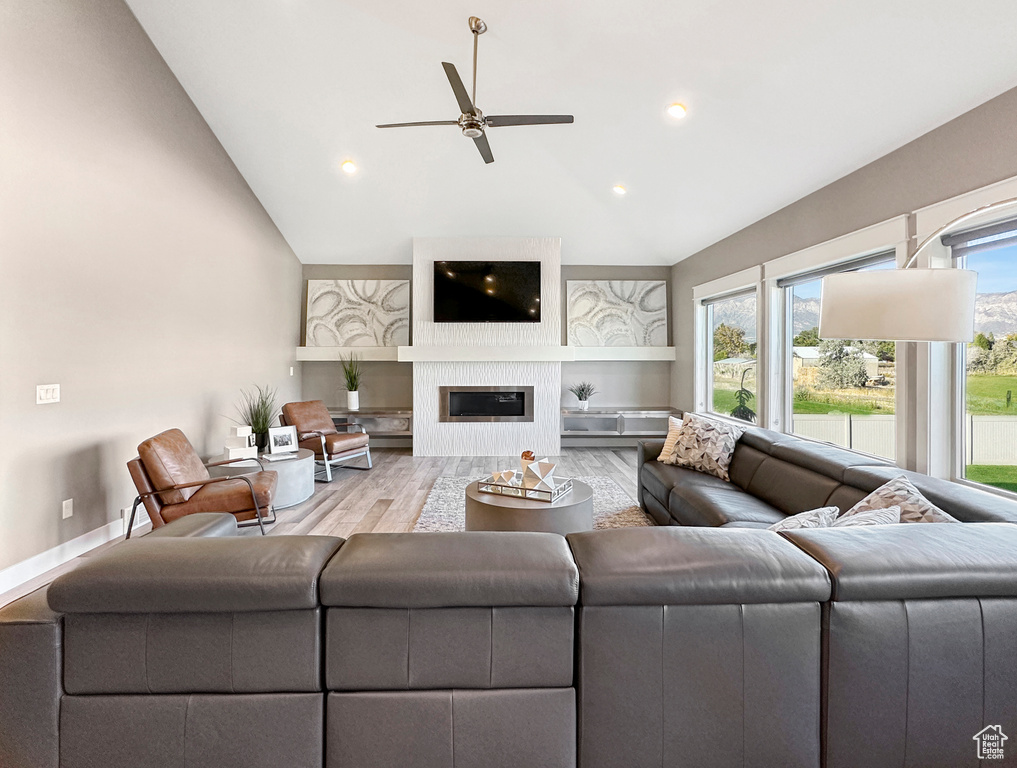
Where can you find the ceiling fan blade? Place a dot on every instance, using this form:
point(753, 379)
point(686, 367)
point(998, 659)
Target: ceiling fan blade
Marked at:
point(484, 147)
point(496, 121)
point(462, 96)
point(404, 125)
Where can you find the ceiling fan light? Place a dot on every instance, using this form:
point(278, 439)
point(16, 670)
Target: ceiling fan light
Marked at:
point(472, 133)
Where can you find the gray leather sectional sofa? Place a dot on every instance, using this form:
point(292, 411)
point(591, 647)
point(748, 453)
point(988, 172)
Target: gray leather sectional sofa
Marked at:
point(774, 475)
point(671, 646)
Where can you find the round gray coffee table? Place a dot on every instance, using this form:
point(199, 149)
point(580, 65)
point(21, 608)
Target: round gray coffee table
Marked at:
point(571, 513)
point(296, 476)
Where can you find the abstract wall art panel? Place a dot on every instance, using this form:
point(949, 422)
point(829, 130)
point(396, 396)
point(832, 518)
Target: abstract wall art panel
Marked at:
point(617, 313)
point(358, 313)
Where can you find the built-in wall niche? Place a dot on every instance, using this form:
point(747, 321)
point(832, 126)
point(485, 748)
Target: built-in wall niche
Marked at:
point(357, 313)
point(616, 313)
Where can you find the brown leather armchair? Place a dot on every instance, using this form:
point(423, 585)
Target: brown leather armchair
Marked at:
point(172, 481)
point(317, 432)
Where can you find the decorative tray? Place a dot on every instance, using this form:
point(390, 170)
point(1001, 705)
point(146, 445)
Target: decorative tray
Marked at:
point(516, 484)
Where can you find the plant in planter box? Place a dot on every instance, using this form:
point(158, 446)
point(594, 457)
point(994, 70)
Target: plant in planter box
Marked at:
point(583, 391)
point(257, 410)
point(353, 373)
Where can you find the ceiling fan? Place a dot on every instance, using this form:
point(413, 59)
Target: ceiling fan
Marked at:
point(472, 121)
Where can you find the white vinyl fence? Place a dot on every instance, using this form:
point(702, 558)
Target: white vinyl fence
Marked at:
point(987, 439)
point(990, 439)
point(870, 434)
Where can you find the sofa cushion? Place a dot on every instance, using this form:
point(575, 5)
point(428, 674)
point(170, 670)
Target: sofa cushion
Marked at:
point(763, 439)
point(828, 460)
point(705, 445)
point(674, 428)
point(970, 505)
point(712, 506)
point(744, 463)
point(694, 566)
point(746, 524)
point(844, 497)
point(449, 570)
point(812, 518)
point(912, 506)
point(658, 479)
point(657, 510)
point(902, 562)
point(789, 487)
point(198, 575)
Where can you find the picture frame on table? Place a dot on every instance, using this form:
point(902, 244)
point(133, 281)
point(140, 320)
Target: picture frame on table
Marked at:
point(282, 440)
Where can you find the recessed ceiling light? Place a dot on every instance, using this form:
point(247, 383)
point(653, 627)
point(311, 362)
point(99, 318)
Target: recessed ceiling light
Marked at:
point(619, 189)
point(677, 111)
point(349, 167)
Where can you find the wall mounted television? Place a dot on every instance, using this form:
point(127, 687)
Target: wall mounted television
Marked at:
point(487, 291)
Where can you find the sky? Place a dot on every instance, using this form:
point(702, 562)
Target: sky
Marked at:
point(997, 270)
point(997, 273)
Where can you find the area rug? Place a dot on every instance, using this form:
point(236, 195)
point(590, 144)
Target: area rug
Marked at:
point(445, 508)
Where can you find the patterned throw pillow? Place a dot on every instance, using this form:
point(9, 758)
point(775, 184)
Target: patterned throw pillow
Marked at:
point(705, 445)
point(814, 518)
point(674, 426)
point(883, 516)
point(900, 492)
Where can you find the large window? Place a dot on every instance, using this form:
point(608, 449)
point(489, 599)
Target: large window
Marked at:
point(842, 391)
point(731, 353)
point(989, 364)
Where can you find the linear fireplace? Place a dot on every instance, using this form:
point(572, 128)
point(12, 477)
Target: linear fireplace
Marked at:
point(485, 403)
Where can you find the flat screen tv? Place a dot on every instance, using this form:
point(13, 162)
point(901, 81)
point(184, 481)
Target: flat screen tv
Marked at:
point(487, 291)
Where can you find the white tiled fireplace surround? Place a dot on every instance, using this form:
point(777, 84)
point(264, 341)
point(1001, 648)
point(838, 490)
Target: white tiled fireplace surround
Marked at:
point(503, 354)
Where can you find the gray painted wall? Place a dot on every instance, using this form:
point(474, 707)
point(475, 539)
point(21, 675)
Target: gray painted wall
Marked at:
point(386, 384)
point(390, 385)
point(971, 151)
point(138, 270)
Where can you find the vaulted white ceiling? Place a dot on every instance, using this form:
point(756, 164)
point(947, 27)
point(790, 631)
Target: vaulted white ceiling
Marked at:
point(784, 96)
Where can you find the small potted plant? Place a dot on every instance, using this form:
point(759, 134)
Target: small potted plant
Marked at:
point(583, 391)
point(352, 375)
point(257, 409)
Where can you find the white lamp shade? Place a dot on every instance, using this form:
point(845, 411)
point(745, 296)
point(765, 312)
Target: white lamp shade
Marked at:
point(899, 305)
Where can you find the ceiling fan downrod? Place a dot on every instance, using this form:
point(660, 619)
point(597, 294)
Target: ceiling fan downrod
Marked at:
point(477, 27)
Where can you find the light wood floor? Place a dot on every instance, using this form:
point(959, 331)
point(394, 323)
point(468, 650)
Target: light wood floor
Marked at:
point(389, 497)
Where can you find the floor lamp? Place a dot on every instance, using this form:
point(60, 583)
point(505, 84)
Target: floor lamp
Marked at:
point(907, 304)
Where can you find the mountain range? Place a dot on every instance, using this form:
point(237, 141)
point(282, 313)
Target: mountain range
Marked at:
point(994, 313)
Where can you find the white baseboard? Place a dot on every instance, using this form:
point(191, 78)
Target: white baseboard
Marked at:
point(26, 570)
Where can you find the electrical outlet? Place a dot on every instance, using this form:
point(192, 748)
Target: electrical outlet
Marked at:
point(68, 508)
point(47, 393)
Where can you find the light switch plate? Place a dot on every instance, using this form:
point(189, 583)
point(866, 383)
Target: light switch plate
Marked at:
point(47, 393)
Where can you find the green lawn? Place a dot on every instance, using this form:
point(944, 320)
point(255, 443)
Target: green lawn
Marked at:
point(1004, 477)
point(987, 394)
point(809, 406)
point(724, 402)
